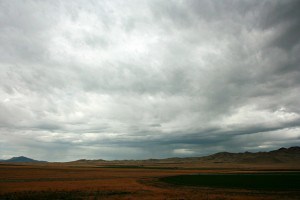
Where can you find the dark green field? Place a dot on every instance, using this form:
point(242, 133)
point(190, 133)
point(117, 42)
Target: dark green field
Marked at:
point(265, 181)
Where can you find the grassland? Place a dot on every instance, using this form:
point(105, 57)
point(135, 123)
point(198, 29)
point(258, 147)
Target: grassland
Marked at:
point(257, 181)
point(161, 181)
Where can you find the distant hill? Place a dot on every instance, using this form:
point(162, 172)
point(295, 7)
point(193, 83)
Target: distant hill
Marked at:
point(20, 159)
point(282, 155)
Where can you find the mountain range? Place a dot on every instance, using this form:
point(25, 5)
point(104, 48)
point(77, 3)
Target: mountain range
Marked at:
point(282, 155)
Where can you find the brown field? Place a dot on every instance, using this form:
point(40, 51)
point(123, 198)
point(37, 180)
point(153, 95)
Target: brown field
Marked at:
point(95, 181)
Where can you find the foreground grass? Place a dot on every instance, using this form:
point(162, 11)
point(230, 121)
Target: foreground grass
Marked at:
point(267, 181)
point(61, 195)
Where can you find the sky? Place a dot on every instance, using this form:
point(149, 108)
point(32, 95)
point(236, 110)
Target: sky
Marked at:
point(141, 79)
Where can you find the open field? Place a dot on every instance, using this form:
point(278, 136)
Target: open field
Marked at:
point(66, 181)
point(258, 181)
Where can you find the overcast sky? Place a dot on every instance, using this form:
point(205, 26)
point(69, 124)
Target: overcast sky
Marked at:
point(141, 79)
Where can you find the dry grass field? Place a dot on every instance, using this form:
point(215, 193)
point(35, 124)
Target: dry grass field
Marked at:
point(93, 181)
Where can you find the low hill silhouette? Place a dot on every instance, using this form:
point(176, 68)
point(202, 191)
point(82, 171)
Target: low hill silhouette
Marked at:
point(20, 159)
point(282, 155)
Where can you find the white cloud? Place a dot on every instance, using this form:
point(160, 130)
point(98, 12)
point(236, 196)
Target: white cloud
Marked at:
point(183, 151)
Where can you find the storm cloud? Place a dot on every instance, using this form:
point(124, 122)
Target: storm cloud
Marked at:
point(148, 79)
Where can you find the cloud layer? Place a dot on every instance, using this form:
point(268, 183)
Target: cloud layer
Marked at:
point(147, 79)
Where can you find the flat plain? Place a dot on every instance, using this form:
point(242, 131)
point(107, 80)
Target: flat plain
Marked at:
point(131, 180)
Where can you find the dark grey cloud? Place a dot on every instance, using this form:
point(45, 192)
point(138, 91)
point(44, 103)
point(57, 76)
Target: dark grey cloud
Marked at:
point(141, 79)
point(283, 15)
